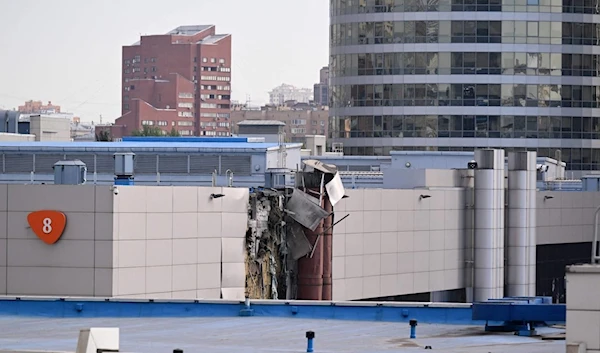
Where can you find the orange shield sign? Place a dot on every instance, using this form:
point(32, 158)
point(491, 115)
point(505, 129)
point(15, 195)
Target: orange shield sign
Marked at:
point(47, 225)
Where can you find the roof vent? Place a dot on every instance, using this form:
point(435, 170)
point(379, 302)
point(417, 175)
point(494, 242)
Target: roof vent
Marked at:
point(70, 172)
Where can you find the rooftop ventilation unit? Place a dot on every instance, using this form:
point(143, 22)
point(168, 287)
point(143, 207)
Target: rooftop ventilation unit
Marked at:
point(124, 168)
point(70, 173)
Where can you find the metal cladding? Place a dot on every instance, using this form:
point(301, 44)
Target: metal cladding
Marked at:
point(489, 225)
point(521, 224)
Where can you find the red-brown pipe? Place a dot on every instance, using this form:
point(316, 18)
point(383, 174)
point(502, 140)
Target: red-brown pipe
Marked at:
point(310, 269)
point(327, 250)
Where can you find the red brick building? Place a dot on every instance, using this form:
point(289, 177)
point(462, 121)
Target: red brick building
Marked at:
point(179, 80)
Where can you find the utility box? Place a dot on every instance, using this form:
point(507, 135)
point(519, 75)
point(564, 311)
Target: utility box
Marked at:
point(124, 164)
point(70, 172)
point(591, 183)
point(277, 178)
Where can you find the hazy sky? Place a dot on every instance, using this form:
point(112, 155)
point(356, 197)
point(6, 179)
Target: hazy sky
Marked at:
point(69, 51)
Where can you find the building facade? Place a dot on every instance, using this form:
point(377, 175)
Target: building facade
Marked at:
point(37, 107)
point(300, 120)
point(281, 94)
point(457, 75)
point(321, 89)
point(39, 127)
point(180, 80)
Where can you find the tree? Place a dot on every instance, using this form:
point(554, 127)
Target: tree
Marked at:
point(103, 136)
point(174, 133)
point(148, 130)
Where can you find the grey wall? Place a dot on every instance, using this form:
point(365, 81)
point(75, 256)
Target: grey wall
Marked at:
point(566, 218)
point(178, 243)
point(392, 243)
point(77, 264)
point(144, 242)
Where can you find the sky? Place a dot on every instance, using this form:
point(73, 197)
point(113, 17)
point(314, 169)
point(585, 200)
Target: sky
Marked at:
point(69, 51)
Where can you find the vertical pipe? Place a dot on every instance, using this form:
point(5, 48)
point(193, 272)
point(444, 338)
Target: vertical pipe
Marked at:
point(469, 219)
point(521, 224)
point(327, 250)
point(532, 193)
point(489, 225)
point(310, 269)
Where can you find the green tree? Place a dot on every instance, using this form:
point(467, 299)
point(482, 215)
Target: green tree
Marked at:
point(174, 133)
point(103, 136)
point(148, 130)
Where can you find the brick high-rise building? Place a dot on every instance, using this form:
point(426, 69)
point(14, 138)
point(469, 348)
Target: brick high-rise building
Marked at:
point(179, 80)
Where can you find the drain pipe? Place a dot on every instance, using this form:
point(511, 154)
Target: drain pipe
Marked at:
point(327, 249)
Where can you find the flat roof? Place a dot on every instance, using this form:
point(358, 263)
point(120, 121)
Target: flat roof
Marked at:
point(139, 146)
point(189, 30)
point(261, 122)
point(259, 334)
point(213, 39)
point(215, 326)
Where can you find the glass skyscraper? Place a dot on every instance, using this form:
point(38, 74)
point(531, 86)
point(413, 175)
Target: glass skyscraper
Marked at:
point(454, 75)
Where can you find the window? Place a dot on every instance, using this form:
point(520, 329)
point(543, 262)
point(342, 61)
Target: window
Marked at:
point(186, 95)
point(213, 60)
point(185, 114)
point(221, 61)
point(298, 122)
point(162, 123)
point(148, 122)
point(298, 130)
point(225, 69)
point(125, 106)
point(186, 132)
point(185, 123)
point(208, 105)
point(204, 60)
point(185, 105)
point(215, 78)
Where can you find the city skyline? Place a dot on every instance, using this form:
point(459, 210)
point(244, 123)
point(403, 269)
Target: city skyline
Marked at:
point(82, 72)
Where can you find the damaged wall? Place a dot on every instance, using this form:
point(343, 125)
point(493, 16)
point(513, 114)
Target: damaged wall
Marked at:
point(289, 238)
point(265, 246)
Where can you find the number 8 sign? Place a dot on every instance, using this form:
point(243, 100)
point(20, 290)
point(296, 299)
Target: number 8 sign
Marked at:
point(47, 225)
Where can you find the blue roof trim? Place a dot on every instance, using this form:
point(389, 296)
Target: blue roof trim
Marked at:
point(88, 308)
point(185, 139)
point(103, 146)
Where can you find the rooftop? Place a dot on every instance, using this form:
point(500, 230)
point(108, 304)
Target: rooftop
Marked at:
point(213, 39)
point(189, 30)
point(138, 146)
point(262, 122)
point(205, 326)
point(259, 334)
